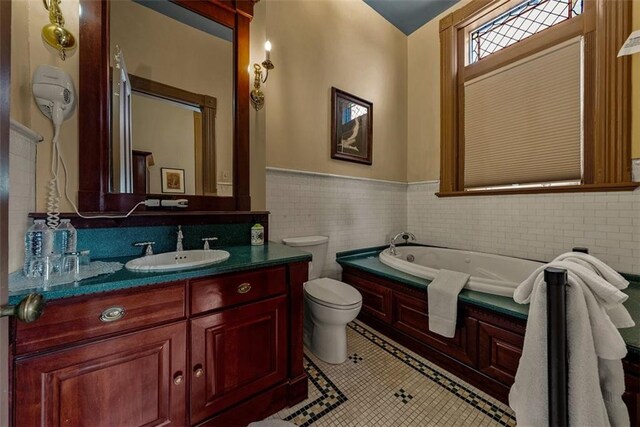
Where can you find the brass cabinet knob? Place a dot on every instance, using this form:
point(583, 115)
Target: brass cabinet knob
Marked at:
point(244, 288)
point(178, 379)
point(28, 310)
point(199, 372)
point(112, 314)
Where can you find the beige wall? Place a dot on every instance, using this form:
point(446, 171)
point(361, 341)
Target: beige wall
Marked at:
point(346, 44)
point(258, 147)
point(27, 52)
point(423, 146)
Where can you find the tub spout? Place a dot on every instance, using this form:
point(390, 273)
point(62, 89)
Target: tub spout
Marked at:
point(405, 235)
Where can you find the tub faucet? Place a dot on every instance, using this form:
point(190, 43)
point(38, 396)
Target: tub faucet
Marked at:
point(180, 237)
point(405, 235)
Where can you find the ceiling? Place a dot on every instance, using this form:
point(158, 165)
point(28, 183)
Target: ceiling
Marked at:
point(409, 15)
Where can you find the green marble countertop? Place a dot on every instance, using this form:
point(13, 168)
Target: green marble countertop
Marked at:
point(367, 260)
point(242, 258)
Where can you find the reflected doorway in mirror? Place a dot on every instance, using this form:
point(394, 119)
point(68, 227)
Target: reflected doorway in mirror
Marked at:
point(172, 180)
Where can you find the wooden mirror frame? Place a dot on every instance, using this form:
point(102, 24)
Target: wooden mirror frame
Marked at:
point(94, 112)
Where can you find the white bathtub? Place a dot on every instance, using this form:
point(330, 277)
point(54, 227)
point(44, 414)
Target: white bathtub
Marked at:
point(492, 274)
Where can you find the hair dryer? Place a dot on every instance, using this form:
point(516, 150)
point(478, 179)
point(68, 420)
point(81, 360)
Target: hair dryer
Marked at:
point(54, 94)
point(56, 97)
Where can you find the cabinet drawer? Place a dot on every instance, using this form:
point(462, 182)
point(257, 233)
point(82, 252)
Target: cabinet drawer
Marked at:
point(233, 289)
point(68, 321)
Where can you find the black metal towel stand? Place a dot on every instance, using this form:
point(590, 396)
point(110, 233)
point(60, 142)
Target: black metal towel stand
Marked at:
point(557, 367)
point(557, 360)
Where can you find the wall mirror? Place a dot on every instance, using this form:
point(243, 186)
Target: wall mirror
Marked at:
point(159, 92)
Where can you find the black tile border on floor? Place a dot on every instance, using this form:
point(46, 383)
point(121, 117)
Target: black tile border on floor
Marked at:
point(331, 391)
point(459, 390)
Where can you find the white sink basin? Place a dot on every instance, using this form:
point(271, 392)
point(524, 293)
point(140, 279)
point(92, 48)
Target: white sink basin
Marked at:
point(171, 261)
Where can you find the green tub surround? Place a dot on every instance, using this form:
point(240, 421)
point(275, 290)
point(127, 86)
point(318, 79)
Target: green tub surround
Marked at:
point(244, 257)
point(367, 260)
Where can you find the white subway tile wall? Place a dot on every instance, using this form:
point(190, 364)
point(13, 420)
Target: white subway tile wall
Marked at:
point(22, 199)
point(537, 227)
point(353, 213)
point(358, 213)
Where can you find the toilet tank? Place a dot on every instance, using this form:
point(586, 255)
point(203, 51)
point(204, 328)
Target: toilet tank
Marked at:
point(317, 246)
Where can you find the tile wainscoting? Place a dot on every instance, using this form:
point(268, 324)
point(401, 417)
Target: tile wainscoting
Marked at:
point(353, 212)
point(358, 213)
point(22, 193)
point(531, 226)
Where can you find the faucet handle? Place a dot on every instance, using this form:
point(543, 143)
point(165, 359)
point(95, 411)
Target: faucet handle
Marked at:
point(406, 236)
point(149, 247)
point(206, 241)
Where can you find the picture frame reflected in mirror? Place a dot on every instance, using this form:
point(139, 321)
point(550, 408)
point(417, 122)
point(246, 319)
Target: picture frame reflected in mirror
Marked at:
point(172, 180)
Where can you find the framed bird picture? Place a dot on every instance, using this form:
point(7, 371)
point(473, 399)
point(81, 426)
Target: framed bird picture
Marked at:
point(351, 127)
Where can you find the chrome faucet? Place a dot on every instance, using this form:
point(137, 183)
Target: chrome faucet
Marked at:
point(405, 235)
point(148, 247)
point(179, 242)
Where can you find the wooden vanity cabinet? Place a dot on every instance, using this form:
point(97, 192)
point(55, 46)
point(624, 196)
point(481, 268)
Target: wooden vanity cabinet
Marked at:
point(235, 359)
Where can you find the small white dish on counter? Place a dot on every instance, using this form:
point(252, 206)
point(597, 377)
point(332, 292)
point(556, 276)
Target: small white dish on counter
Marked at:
point(172, 261)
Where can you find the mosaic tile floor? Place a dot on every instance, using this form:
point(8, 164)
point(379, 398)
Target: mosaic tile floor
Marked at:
point(385, 384)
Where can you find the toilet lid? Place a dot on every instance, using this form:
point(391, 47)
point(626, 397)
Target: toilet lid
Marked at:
point(332, 292)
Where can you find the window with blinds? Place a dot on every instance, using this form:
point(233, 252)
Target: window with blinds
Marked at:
point(523, 122)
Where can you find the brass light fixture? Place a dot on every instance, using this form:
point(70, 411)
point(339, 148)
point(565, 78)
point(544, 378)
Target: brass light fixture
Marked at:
point(54, 33)
point(257, 96)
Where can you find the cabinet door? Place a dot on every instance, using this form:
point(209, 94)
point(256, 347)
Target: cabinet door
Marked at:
point(411, 317)
point(235, 354)
point(499, 352)
point(133, 380)
point(376, 299)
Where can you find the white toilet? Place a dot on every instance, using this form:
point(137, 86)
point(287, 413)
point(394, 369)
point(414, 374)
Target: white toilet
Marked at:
point(329, 304)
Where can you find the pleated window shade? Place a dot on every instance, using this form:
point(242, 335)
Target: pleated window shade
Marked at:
point(523, 122)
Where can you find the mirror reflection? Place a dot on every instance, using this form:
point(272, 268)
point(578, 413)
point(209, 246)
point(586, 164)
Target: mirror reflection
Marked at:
point(172, 102)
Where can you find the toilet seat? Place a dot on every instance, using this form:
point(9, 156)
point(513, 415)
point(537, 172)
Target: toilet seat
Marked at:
point(332, 293)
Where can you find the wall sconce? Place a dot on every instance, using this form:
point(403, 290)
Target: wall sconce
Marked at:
point(257, 96)
point(54, 33)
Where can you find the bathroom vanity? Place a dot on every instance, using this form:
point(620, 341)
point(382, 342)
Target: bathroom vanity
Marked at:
point(221, 346)
point(487, 345)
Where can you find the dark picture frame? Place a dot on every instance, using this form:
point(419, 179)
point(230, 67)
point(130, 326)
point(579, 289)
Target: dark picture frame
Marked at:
point(172, 180)
point(351, 127)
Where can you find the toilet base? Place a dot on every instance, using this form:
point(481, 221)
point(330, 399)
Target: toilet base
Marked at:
point(329, 343)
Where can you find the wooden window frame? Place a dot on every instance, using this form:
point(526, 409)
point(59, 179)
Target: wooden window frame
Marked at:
point(605, 25)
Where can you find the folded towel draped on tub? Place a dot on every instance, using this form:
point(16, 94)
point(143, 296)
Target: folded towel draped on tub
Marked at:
point(443, 301)
point(595, 347)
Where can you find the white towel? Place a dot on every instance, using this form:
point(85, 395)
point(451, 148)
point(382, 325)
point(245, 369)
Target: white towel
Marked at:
point(602, 269)
point(595, 348)
point(443, 301)
point(618, 314)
